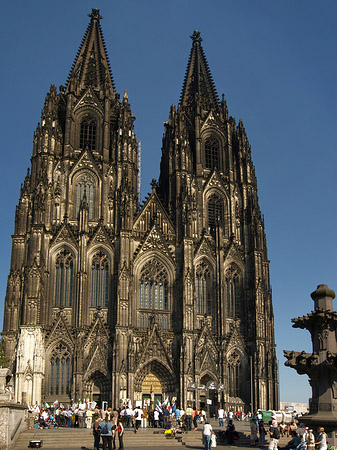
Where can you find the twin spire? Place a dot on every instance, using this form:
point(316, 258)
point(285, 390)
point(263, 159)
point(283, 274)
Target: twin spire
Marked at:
point(198, 88)
point(92, 68)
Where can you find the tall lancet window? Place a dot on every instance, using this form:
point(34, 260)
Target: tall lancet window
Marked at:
point(153, 286)
point(64, 279)
point(232, 292)
point(100, 280)
point(204, 289)
point(211, 153)
point(85, 184)
point(60, 371)
point(215, 211)
point(88, 133)
point(234, 368)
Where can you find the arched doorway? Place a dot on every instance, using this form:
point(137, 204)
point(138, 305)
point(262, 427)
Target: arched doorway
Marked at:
point(208, 397)
point(154, 382)
point(152, 390)
point(98, 388)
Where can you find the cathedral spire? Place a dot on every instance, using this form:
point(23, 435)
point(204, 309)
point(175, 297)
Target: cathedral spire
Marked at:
point(91, 66)
point(198, 88)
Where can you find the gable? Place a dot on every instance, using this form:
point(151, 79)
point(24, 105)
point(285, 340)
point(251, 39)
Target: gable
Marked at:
point(152, 212)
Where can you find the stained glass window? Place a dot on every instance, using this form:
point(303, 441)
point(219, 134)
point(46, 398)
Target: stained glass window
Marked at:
point(88, 133)
point(85, 184)
point(60, 364)
point(100, 280)
point(203, 289)
point(211, 153)
point(215, 213)
point(153, 286)
point(64, 278)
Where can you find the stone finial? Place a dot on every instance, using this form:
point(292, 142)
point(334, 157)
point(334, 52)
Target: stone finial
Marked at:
point(196, 36)
point(95, 14)
point(323, 297)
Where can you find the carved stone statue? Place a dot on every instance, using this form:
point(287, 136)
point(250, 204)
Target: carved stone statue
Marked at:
point(320, 366)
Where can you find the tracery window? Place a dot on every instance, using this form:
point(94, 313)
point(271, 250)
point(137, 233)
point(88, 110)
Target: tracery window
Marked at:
point(88, 133)
point(234, 368)
point(153, 286)
point(203, 289)
point(100, 280)
point(85, 185)
point(60, 370)
point(64, 279)
point(232, 292)
point(215, 213)
point(211, 153)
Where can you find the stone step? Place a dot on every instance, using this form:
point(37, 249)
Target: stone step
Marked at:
point(63, 438)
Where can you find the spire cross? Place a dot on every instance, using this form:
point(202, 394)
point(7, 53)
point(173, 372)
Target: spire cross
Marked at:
point(95, 14)
point(196, 36)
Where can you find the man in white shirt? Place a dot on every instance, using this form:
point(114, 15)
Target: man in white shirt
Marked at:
point(207, 435)
point(137, 413)
point(221, 413)
point(156, 418)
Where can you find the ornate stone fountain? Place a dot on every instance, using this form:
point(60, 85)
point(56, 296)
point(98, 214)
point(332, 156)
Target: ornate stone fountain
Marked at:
point(321, 364)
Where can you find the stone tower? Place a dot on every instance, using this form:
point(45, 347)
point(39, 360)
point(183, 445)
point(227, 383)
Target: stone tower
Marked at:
point(113, 300)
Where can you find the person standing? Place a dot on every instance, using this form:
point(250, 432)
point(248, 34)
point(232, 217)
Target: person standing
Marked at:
point(120, 431)
point(221, 413)
point(96, 432)
point(321, 439)
point(189, 414)
point(274, 434)
point(311, 440)
point(253, 432)
point(262, 434)
point(207, 431)
point(106, 430)
point(138, 418)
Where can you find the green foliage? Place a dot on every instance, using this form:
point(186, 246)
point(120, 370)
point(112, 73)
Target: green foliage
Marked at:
point(3, 359)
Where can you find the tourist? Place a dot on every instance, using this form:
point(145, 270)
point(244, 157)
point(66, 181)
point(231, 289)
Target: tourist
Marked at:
point(96, 432)
point(207, 431)
point(253, 432)
point(230, 432)
point(195, 419)
point(88, 418)
point(189, 414)
point(283, 428)
point(120, 431)
point(274, 434)
point(321, 443)
point(137, 414)
point(262, 434)
point(156, 418)
point(221, 413)
point(107, 432)
point(311, 440)
point(294, 442)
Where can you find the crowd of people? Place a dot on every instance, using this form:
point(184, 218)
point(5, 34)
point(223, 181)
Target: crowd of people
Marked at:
point(109, 424)
point(298, 441)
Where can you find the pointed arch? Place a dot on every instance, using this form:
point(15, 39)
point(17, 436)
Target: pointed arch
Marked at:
point(88, 132)
point(204, 287)
point(153, 286)
point(60, 361)
point(212, 152)
point(233, 281)
point(64, 278)
point(215, 212)
point(100, 279)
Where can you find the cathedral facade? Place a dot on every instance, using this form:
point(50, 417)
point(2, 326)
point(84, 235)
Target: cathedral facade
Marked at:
point(113, 300)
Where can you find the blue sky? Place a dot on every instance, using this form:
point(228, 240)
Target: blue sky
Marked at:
point(276, 63)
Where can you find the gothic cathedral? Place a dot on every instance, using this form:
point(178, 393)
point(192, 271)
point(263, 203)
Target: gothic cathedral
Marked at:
point(111, 299)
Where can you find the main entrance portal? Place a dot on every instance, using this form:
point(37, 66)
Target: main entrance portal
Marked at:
point(151, 390)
